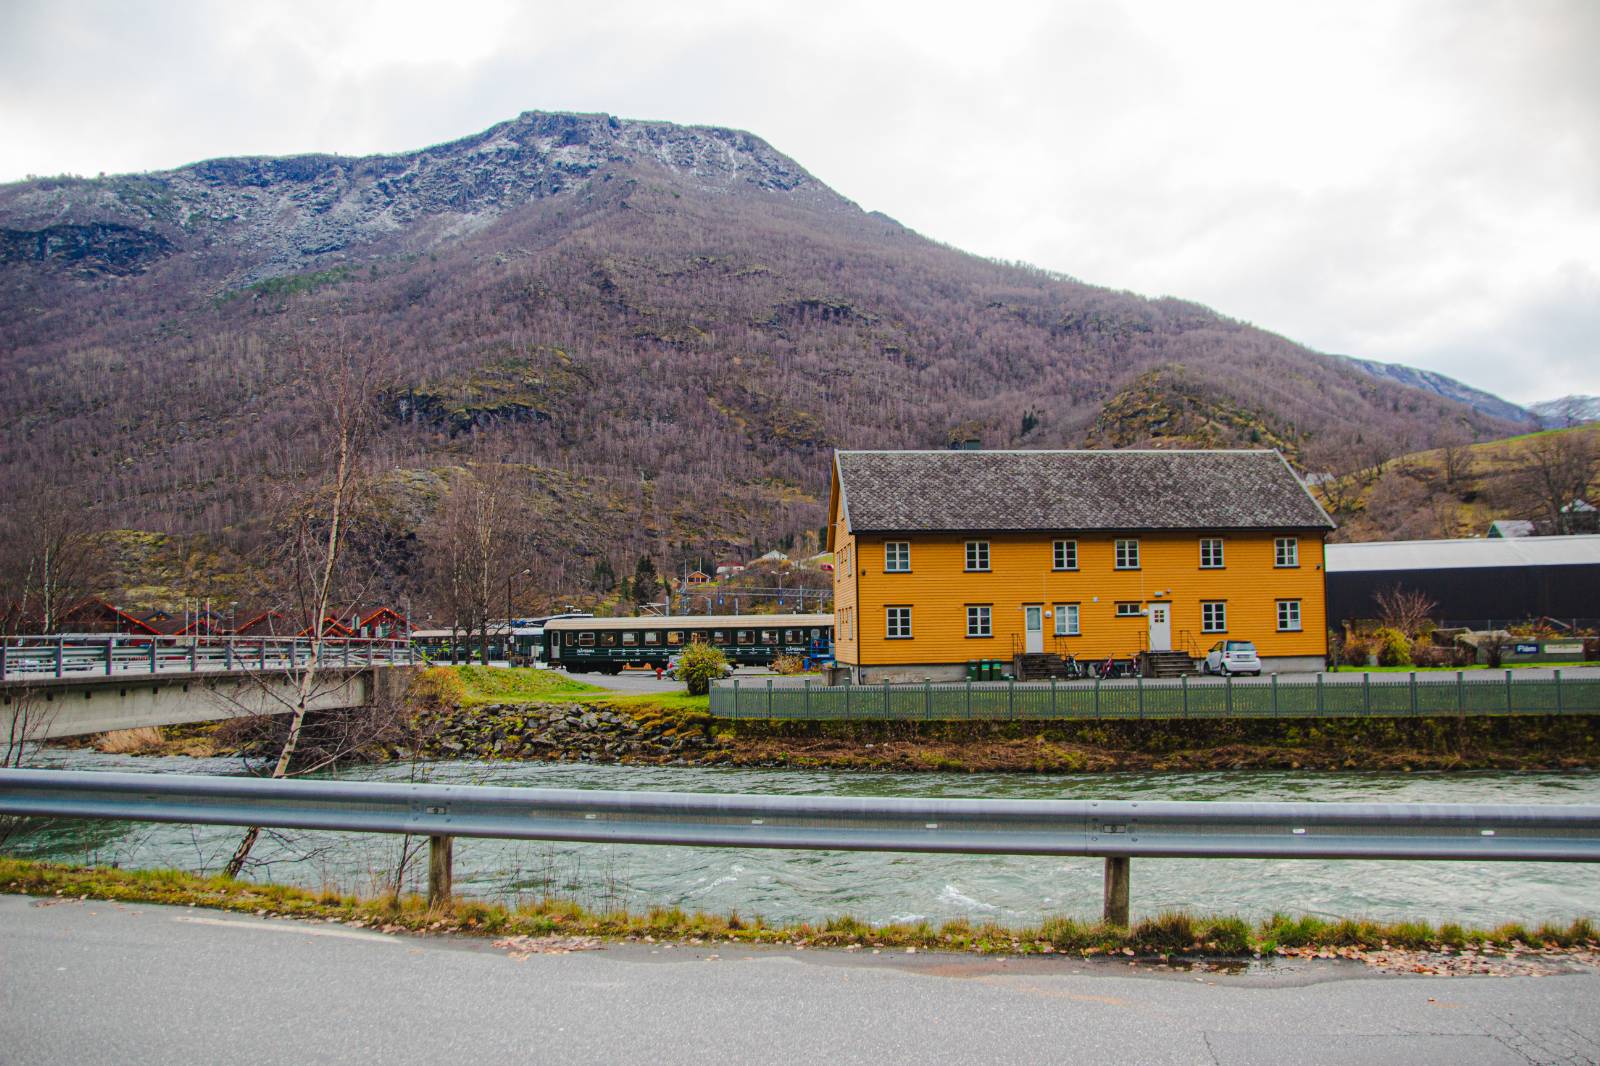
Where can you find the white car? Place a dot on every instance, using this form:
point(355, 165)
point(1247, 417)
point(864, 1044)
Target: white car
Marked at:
point(1232, 657)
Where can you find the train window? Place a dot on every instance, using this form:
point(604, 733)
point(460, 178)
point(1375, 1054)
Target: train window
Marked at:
point(697, 637)
point(745, 636)
point(586, 639)
point(816, 634)
point(791, 636)
point(769, 636)
point(674, 636)
point(608, 640)
point(630, 639)
point(570, 637)
point(652, 637)
point(719, 636)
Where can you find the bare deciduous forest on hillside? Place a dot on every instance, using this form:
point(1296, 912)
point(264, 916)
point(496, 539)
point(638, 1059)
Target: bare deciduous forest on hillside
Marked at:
point(654, 368)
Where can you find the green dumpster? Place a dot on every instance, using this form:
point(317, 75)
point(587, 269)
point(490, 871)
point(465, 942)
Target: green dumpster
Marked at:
point(972, 670)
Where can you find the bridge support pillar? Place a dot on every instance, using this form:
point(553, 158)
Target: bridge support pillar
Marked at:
point(440, 874)
point(1116, 910)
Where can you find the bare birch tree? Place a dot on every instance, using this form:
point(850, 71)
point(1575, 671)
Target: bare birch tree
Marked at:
point(346, 378)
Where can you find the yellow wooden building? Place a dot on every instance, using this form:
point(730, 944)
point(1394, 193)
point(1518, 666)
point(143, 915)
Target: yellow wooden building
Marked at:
point(944, 557)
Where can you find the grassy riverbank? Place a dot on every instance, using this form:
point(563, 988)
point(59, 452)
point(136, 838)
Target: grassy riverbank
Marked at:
point(1171, 934)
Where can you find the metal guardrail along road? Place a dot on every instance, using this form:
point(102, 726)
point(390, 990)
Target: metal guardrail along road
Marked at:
point(1114, 829)
point(1364, 695)
point(44, 658)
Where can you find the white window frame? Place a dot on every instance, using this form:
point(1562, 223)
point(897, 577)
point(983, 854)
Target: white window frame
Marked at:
point(1127, 549)
point(1064, 555)
point(1289, 618)
point(1213, 616)
point(977, 550)
point(1286, 552)
point(897, 557)
point(897, 623)
point(1134, 613)
point(1064, 611)
point(1212, 564)
point(980, 620)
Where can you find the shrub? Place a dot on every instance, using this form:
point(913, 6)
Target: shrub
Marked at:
point(437, 688)
point(1394, 648)
point(699, 665)
point(1355, 651)
point(788, 664)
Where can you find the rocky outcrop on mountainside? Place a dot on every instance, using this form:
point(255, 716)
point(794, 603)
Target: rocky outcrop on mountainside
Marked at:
point(283, 214)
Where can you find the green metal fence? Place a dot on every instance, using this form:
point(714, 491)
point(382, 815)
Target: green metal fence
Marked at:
point(1377, 696)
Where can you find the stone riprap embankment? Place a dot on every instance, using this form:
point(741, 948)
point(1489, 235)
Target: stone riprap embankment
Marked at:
point(568, 732)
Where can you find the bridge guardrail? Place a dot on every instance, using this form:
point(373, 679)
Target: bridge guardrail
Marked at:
point(29, 658)
point(1464, 693)
point(1116, 830)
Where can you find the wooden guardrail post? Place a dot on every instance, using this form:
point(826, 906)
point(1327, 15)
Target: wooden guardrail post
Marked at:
point(111, 653)
point(60, 652)
point(1366, 692)
point(1461, 692)
point(1274, 694)
point(1183, 683)
point(1116, 882)
point(769, 697)
point(927, 699)
point(735, 713)
point(1413, 692)
point(1559, 708)
point(886, 712)
point(440, 873)
point(1508, 692)
point(1320, 706)
point(807, 684)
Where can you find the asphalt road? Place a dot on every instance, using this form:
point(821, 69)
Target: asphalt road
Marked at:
point(92, 982)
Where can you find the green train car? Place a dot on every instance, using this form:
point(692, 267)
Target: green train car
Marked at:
point(606, 645)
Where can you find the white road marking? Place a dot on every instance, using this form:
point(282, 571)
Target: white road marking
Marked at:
point(303, 930)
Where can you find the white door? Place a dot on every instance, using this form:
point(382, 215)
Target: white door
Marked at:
point(1033, 628)
point(1161, 627)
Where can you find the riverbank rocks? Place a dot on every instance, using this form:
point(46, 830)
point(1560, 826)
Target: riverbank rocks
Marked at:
point(562, 732)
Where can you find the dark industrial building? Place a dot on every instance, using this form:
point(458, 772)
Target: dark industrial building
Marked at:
point(1472, 581)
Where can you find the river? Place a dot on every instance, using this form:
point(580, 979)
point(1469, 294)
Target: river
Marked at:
point(798, 886)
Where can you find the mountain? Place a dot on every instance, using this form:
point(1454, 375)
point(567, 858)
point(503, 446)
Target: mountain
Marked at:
point(662, 331)
point(1486, 403)
point(1566, 411)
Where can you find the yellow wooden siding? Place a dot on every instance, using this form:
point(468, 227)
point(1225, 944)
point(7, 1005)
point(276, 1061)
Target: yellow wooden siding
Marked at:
point(846, 616)
point(938, 589)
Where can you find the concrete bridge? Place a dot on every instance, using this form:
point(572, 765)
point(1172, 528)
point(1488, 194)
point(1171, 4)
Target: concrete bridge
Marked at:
point(52, 687)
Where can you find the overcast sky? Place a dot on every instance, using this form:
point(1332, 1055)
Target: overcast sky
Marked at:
point(1409, 181)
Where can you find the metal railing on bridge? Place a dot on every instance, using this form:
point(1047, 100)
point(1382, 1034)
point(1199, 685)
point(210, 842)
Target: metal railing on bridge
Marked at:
point(1117, 830)
point(1365, 695)
point(47, 658)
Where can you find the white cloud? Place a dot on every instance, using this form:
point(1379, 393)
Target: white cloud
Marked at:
point(1412, 181)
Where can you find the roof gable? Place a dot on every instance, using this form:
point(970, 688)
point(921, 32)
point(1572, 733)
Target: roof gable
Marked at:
point(954, 491)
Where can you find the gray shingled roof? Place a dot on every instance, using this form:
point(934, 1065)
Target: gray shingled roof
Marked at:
point(887, 492)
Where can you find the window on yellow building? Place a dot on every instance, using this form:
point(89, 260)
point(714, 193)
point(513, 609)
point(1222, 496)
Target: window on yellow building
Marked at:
point(1213, 616)
point(1066, 555)
point(980, 621)
point(1127, 555)
point(1127, 610)
point(977, 555)
point(1286, 551)
point(1211, 553)
point(1067, 620)
point(897, 557)
point(1289, 616)
point(897, 623)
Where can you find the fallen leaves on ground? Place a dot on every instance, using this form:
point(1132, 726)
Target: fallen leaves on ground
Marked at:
point(520, 947)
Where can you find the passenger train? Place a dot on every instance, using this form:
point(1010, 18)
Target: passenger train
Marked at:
point(606, 645)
